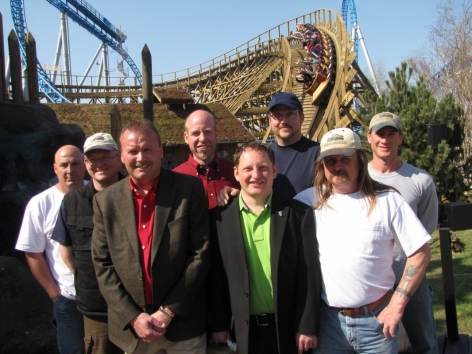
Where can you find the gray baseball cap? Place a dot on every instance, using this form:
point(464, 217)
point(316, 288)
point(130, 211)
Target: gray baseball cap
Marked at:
point(385, 119)
point(101, 141)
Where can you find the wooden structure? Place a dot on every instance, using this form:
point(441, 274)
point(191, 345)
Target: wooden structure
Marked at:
point(245, 79)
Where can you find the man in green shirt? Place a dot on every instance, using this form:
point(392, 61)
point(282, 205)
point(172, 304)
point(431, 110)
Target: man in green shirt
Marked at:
point(266, 273)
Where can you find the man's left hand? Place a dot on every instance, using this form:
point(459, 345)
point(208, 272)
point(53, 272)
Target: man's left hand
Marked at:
point(163, 318)
point(390, 317)
point(305, 342)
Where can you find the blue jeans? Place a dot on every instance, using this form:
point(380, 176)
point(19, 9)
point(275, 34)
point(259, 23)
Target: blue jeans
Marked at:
point(418, 320)
point(343, 334)
point(69, 323)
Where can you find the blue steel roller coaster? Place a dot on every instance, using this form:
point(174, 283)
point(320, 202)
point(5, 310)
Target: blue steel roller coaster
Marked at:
point(85, 16)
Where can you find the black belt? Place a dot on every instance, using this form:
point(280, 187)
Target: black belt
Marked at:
point(263, 319)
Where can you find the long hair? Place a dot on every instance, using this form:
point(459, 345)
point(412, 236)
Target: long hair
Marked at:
point(367, 187)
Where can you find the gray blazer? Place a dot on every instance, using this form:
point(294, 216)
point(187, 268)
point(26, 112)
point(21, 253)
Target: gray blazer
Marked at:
point(180, 257)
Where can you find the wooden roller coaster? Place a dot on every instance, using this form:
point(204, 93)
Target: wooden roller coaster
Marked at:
point(246, 78)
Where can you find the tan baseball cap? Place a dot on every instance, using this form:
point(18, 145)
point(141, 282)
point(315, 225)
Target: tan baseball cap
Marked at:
point(385, 119)
point(340, 141)
point(101, 141)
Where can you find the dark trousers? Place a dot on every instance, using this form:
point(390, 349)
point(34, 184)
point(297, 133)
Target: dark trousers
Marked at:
point(263, 339)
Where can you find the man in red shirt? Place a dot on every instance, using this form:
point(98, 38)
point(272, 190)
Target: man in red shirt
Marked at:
point(215, 172)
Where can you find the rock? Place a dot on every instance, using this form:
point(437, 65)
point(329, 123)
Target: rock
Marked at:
point(25, 310)
point(29, 137)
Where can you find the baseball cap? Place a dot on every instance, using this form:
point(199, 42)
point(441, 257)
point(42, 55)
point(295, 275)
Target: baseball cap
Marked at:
point(287, 99)
point(102, 141)
point(385, 119)
point(340, 141)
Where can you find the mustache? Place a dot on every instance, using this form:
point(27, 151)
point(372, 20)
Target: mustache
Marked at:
point(342, 173)
point(141, 164)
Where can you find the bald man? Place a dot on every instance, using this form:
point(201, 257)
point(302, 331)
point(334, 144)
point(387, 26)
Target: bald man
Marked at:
point(214, 171)
point(43, 254)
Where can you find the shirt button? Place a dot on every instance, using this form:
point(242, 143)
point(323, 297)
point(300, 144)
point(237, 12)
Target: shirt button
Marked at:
point(144, 206)
point(144, 247)
point(144, 226)
point(209, 178)
point(211, 194)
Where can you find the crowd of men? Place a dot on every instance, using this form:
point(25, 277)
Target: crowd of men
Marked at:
point(291, 248)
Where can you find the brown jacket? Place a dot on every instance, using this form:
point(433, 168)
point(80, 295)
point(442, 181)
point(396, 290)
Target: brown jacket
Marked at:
point(180, 257)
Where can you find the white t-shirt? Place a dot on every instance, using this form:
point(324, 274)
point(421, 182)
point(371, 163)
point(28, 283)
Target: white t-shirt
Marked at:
point(356, 251)
point(35, 236)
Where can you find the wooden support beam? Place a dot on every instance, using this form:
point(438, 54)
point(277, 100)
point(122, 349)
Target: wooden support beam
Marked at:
point(15, 67)
point(448, 284)
point(115, 123)
point(147, 83)
point(31, 68)
point(3, 83)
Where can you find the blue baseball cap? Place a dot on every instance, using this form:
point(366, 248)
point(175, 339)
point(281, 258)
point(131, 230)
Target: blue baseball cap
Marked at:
point(287, 99)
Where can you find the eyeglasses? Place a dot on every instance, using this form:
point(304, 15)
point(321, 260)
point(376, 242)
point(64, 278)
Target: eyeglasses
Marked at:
point(105, 159)
point(279, 116)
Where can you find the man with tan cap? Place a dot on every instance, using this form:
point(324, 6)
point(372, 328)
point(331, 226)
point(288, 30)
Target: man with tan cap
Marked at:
point(358, 220)
point(43, 255)
point(418, 189)
point(74, 232)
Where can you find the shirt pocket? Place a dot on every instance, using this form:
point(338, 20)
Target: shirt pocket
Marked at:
point(81, 228)
point(370, 239)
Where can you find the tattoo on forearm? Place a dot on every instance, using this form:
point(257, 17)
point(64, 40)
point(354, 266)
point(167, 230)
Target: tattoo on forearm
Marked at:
point(410, 272)
point(403, 292)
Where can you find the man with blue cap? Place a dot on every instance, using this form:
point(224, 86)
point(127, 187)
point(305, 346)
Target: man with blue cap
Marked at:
point(295, 154)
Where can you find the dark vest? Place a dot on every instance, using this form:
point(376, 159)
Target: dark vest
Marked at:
point(78, 207)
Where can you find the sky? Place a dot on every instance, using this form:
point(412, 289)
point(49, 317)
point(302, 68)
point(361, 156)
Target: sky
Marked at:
point(185, 33)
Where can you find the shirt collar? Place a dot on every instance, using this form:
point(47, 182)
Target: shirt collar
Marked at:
point(195, 165)
point(134, 187)
point(243, 205)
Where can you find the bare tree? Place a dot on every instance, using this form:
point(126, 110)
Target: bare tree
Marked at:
point(446, 63)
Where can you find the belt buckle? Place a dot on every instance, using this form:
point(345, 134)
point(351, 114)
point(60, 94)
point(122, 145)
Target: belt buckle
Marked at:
point(261, 324)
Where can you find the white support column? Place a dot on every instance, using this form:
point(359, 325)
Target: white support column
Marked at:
point(57, 56)
point(366, 53)
point(91, 65)
point(65, 49)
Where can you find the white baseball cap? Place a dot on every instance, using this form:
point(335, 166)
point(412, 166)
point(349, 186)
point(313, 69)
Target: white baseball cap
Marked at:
point(340, 141)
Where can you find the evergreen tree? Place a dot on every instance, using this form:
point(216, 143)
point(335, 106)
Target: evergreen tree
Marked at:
point(417, 108)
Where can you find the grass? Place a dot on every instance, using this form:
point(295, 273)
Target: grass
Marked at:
point(462, 266)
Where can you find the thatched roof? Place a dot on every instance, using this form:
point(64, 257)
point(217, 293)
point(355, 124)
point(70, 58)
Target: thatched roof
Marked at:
point(168, 119)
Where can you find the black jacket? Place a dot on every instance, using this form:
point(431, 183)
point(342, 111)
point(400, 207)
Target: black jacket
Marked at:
point(296, 274)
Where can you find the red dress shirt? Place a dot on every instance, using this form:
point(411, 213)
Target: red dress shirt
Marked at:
point(219, 174)
point(144, 211)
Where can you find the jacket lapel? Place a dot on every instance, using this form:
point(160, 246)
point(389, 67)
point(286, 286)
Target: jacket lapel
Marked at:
point(166, 192)
point(279, 218)
point(125, 207)
point(230, 234)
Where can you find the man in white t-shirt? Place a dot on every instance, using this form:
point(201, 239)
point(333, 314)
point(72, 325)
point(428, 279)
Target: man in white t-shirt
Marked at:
point(43, 255)
point(358, 220)
point(419, 190)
